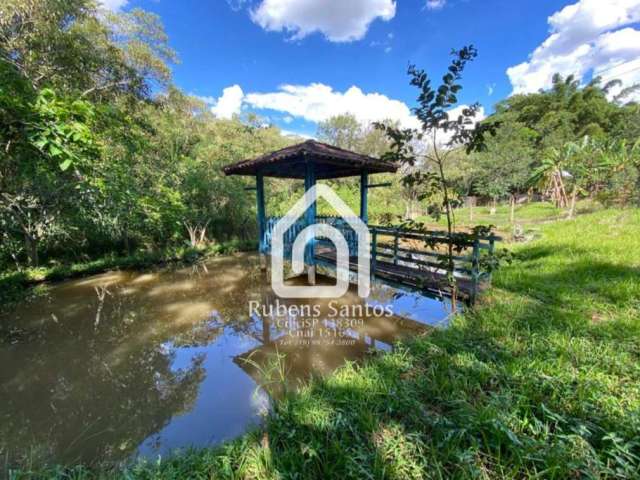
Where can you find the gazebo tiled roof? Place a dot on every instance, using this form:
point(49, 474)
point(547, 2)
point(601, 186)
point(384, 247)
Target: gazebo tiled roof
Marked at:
point(330, 162)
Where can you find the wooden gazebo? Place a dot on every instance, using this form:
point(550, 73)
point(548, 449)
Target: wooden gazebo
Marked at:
point(311, 161)
point(395, 260)
point(308, 161)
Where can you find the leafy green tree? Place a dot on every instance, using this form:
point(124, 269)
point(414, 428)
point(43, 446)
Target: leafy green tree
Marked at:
point(565, 112)
point(503, 168)
point(443, 135)
point(45, 149)
point(343, 131)
point(68, 45)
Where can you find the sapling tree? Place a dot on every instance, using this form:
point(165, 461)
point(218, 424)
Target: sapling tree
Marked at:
point(431, 145)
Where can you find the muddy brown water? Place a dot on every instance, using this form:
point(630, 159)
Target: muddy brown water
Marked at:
point(125, 364)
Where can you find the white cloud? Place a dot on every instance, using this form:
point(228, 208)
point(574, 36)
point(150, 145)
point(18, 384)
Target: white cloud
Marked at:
point(113, 5)
point(318, 102)
point(337, 20)
point(230, 103)
point(208, 99)
point(290, 133)
point(384, 44)
point(586, 36)
point(443, 138)
point(436, 4)
point(236, 5)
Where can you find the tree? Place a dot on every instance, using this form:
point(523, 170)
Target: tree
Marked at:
point(70, 46)
point(45, 147)
point(503, 167)
point(617, 166)
point(551, 174)
point(443, 135)
point(343, 131)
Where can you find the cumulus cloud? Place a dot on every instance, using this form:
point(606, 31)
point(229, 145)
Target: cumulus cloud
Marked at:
point(113, 5)
point(337, 20)
point(587, 36)
point(445, 137)
point(230, 103)
point(318, 102)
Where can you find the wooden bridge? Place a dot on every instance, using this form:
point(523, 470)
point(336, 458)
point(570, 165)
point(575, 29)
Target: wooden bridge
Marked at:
point(401, 257)
point(407, 258)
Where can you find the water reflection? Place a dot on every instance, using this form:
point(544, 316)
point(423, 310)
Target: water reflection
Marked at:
point(125, 364)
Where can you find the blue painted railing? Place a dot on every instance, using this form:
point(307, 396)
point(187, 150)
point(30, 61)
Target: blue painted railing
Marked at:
point(300, 224)
point(403, 248)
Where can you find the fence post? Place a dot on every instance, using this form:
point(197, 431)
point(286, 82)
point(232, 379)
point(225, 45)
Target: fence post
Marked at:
point(475, 269)
point(395, 247)
point(374, 240)
point(260, 207)
point(492, 248)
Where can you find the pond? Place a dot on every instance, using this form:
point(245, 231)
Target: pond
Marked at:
point(125, 364)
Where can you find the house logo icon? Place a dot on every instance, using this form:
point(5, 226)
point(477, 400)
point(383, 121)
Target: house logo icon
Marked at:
point(304, 244)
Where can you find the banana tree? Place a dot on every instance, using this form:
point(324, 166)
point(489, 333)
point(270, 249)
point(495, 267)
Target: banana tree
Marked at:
point(619, 158)
point(552, 172)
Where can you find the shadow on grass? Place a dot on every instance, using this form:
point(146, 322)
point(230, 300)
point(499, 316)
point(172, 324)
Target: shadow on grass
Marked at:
point(533, 383)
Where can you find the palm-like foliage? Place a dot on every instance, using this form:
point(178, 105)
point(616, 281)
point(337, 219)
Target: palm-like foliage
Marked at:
point(550, 175)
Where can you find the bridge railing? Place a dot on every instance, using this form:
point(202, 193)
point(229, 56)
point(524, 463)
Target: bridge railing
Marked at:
point(417, 250)
point(300, 224)
point(428, 251)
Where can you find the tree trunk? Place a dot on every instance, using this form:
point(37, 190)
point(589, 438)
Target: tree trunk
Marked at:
point(572, 209)
point(31, 246)
point(562, 192)
point(512, 215)
point(127, 246)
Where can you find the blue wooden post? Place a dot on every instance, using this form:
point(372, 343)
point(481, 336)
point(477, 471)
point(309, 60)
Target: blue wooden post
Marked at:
point(374, 252)
point(262, 246)
point(364, 180)
point(310, 219)
point(475, 270)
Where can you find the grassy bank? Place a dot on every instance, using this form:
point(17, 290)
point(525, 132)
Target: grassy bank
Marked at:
point(541, 380)
point(17, 285)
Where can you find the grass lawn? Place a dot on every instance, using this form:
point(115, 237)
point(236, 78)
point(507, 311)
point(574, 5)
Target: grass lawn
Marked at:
point(530, 216)
point(541, 380)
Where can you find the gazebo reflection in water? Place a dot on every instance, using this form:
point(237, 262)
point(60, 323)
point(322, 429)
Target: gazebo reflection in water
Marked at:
point(302, 338)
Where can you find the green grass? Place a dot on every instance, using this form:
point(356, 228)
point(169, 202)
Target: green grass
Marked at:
point(541, 380)
point(18, 285)
point(528, 215)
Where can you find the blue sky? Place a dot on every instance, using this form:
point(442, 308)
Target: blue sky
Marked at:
point(323, 48)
